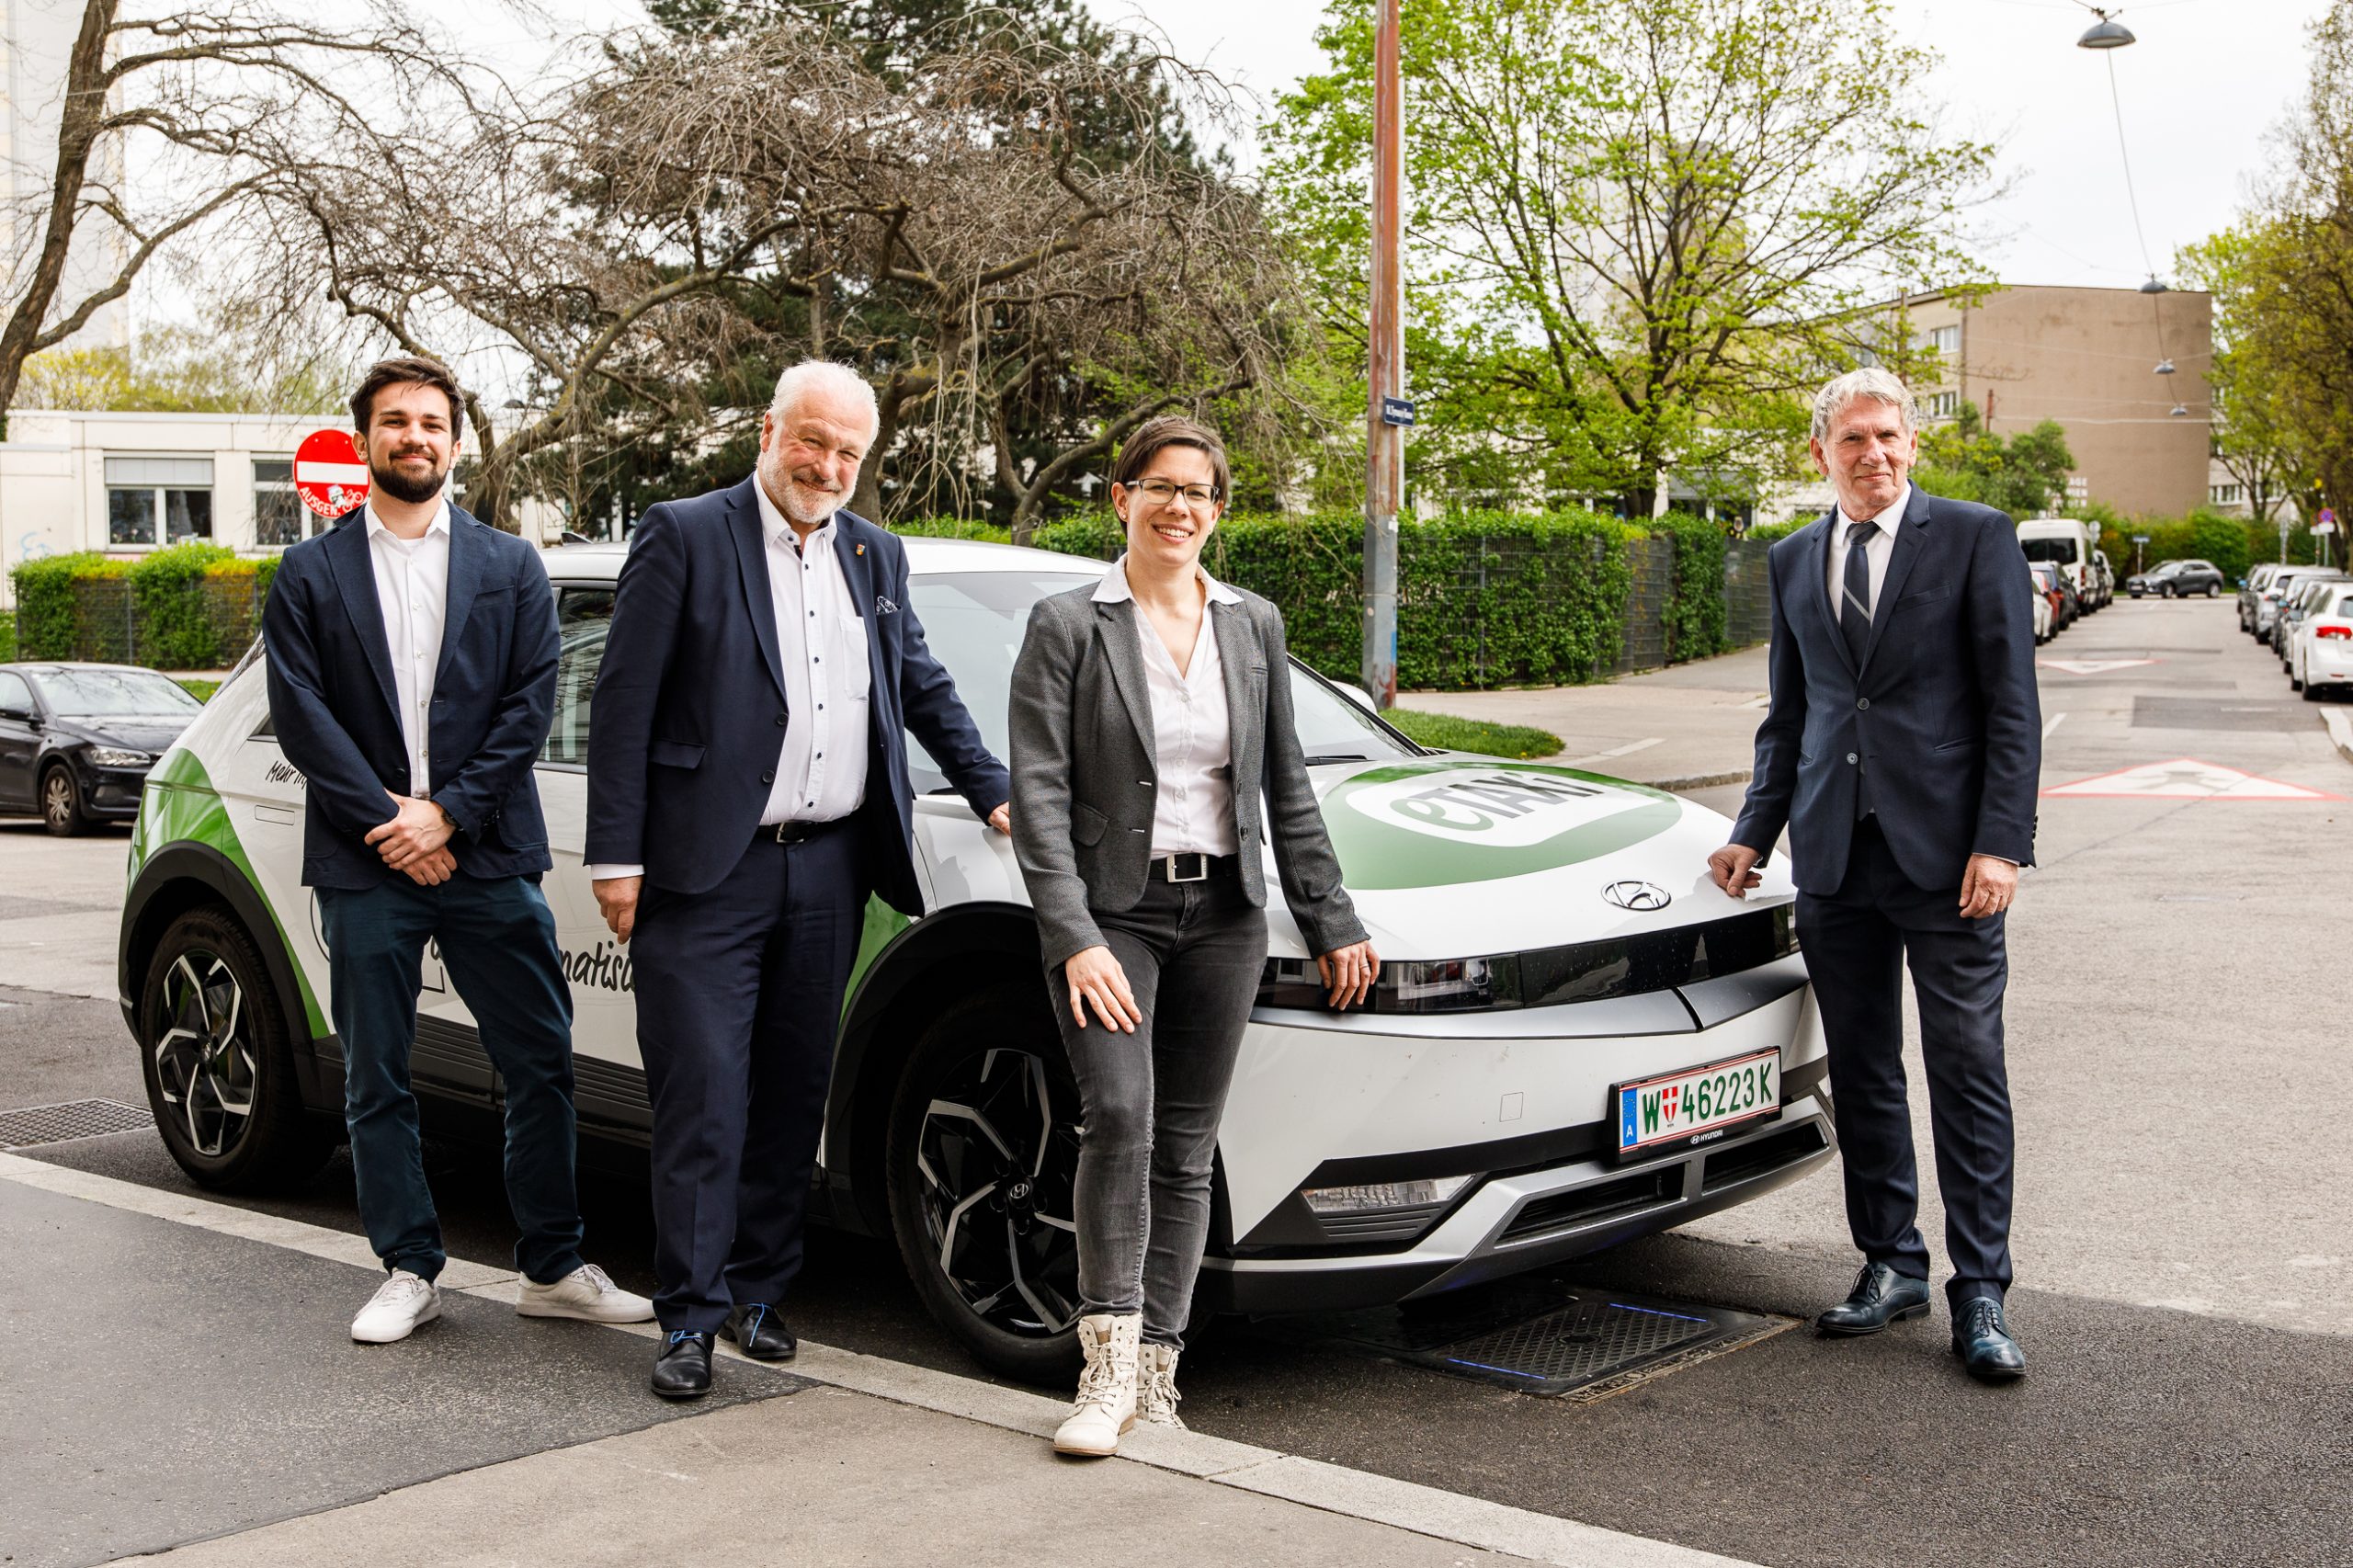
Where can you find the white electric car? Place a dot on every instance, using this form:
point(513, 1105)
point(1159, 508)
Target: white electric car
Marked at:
point(1576, 1039)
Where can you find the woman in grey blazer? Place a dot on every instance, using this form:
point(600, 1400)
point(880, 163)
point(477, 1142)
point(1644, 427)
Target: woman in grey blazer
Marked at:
point(1151, 713)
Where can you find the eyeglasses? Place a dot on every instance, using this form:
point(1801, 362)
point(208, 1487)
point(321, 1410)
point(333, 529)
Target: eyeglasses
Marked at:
point(1161, 491)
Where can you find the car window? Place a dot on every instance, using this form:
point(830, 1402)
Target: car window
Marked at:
point(583, 617)
point(100, 694)
point(2059, 549)
point(14, 692)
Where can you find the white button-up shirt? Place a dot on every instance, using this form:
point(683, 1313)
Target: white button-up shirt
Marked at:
point(821, 771)
point(1876, 555)
point(413, 593)
point(1192, 732)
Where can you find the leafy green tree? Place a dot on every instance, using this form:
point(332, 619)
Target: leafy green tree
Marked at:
point(1635, 227)
point(2024, 475)
point(183, 369)
point(2255, 433)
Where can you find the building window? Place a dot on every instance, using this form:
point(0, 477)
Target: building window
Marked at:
point(1941, 405)
point(1945, 340)
point(2227, 495)
point(280, 516)
point(158, 500)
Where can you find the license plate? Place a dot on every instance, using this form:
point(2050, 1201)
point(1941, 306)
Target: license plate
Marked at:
point(1696, 1104)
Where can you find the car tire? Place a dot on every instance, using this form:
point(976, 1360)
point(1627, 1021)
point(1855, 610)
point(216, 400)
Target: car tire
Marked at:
point(983, 1125)
point(2312, 693)
point(217, 1059)
point(2213, 590)
point(61, 803)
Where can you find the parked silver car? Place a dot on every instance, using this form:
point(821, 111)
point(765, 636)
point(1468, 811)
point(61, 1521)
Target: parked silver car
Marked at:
point(2276, 588)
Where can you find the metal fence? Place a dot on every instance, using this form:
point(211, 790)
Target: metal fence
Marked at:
point(1748, 601)
point(110, 628)
point(1642, 645)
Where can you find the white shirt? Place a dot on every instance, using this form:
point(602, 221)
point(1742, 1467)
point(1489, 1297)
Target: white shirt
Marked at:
point(821, 769)
point(413, 593)
point(1192, 732)
point(1876, 555)
point(821, 638)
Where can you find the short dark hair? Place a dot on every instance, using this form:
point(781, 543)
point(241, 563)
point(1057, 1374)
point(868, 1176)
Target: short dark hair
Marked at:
point(407, 367)
point(1171, 430)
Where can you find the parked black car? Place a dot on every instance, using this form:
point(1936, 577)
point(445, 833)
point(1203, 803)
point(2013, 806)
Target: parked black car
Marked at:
point(76, 740)
point(2177, 580)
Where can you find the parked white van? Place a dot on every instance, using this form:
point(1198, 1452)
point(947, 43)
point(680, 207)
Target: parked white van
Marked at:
point(2066, 542)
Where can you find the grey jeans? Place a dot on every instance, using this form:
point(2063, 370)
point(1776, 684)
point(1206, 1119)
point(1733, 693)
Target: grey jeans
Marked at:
point(1151, 1100)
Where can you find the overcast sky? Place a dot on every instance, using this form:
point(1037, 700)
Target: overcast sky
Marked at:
point(2199, 92)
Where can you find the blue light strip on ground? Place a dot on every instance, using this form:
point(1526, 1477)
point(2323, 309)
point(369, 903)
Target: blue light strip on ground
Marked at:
point(1680, 1317)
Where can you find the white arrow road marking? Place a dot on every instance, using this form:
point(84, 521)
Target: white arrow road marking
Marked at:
point(2187, 779)
point(2092, 667)
point(2055, 721)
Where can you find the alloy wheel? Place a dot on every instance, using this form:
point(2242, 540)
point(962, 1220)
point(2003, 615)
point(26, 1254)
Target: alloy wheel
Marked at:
point(57, 801)
point(205, 1062)
point(997, 1157)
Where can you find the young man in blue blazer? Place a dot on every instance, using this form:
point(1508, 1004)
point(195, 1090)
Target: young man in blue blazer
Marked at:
point(410, 656)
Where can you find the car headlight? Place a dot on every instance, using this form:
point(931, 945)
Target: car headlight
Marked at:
point(1421, 1193)
point(1584, 971)
point(114, 757)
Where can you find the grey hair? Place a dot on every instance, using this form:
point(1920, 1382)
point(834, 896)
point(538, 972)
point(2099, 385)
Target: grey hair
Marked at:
point(825, 375)
point(1869, 384)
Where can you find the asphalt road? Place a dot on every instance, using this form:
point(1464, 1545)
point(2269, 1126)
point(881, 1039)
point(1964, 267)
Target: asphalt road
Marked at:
point(2184, 1259)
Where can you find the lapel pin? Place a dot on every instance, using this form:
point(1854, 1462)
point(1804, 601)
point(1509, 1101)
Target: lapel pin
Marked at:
point(862, 550)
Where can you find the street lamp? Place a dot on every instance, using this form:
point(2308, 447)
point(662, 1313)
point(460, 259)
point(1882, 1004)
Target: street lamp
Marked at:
point(2106, 33)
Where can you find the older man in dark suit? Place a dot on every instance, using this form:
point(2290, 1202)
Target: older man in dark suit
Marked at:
point(747, 790)
point(1901, 750)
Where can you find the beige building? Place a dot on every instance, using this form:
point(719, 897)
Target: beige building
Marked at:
point(2094, 360)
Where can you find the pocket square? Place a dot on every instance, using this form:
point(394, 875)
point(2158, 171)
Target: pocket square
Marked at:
point(883, 605)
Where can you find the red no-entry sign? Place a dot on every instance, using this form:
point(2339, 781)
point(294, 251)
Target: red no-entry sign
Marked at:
point(328, 473)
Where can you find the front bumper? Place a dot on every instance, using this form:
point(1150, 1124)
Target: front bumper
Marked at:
point(111, 792)
point(1346, 1106)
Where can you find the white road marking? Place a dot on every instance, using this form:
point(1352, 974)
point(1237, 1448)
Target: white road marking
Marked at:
point(1334, 1488)
point(2056, 719)
point(1627, 750)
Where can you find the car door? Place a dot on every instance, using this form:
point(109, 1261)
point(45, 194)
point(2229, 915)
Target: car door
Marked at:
point(19, 741)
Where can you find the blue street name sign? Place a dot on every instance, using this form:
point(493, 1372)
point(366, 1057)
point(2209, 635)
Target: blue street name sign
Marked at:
point(1396, 410)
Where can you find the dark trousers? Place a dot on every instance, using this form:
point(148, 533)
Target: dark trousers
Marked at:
point(1151, 1100)
point(497, 943)
point(739, 991)
point(1858, 943)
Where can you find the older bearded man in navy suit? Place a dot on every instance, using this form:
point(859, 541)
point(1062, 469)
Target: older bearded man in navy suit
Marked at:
point(747, 790)
point(1902, 751)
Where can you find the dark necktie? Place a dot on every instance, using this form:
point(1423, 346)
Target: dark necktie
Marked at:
point(1855, 620)
point(1855, 604)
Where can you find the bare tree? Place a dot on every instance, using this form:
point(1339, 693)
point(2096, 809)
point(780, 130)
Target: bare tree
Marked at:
point(214, 102)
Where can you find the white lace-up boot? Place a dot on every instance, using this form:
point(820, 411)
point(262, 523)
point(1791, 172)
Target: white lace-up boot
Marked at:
point(1107, 1390)
point(401, 1303)
point(1156, 1394)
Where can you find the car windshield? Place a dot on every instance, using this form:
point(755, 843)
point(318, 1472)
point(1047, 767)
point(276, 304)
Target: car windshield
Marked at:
point(103, 694)
point(974, 621)
point(2062, 551)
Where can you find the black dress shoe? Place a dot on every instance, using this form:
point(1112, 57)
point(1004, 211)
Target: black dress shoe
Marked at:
point(1881, 1297)
point(683, 1370)
point(760, 1333)
point(1981, 1337)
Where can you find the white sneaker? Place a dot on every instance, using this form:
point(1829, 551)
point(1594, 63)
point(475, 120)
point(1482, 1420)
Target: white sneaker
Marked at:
point(587, 1293)
point(1156, 1394)
point(393, 1313)
point(1106, 1405)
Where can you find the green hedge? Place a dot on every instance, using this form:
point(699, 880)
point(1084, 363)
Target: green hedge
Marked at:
point(7, 636)
point(1696, 622)
point(194, 605)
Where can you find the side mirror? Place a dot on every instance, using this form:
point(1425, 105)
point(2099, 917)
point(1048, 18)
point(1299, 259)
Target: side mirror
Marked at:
point(22, 715)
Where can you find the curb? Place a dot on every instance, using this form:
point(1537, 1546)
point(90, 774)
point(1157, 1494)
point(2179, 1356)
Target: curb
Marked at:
point(1703, 780)
point(2338, 722)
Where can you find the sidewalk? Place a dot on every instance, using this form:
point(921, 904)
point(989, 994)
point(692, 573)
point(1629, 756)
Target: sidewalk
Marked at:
point(1689, 727)
point(221, 1416)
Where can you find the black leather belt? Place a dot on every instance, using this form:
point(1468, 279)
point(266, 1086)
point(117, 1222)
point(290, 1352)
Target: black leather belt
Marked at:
point(796, 831)
point(1192, 867)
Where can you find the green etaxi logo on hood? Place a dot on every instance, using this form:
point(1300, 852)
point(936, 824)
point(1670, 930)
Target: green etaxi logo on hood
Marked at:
point(1421, 825)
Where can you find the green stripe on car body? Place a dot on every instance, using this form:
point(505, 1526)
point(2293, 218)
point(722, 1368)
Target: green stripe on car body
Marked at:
point(180, 806)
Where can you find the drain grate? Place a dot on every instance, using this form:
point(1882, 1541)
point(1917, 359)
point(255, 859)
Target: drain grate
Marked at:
point(63, 1123)
point(1540, 1336)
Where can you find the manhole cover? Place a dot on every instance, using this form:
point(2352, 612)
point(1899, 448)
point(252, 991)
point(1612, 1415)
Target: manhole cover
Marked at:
point(62, 1123)
point(2196, 713)
point(1540, 1336)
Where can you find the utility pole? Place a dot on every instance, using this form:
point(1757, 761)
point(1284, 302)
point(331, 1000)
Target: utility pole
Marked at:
point(1386, 414)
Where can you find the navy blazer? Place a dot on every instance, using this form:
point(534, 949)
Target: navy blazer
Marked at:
point(688, 715)
point(336, 714)
point(1942, 711)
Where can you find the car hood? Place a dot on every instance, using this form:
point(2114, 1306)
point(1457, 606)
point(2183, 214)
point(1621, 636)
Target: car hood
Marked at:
point(132, 732)
point(1452, 855)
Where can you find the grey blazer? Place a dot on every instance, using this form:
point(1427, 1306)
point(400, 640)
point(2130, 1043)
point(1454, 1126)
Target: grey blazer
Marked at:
point(1083, 770)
